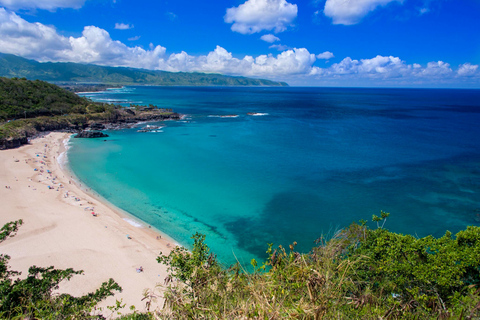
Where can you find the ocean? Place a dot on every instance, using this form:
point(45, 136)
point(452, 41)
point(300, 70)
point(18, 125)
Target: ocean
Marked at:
point(258, 165)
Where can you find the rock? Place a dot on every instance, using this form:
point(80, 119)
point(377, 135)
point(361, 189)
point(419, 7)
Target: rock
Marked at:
point(97, 126)
point(91, 134)
point(12, 143)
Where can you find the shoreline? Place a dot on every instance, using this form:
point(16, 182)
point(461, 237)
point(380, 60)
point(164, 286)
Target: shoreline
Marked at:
point(122, 214)
point(60, 230)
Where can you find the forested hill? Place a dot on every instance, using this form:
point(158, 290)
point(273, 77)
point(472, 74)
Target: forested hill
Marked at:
point(21, 98)
point(14, 66)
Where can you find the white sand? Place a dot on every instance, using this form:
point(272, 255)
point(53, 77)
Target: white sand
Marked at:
point(59, 231)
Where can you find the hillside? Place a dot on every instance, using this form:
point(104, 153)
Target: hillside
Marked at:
point(29, 107)
point(14, 66)
point(21, 98)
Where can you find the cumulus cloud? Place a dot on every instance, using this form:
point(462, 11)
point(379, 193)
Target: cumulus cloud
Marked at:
point(26, 39)
point(257, 15)
point(467, 70)
point(325, 55)
point(438, 68)
point(134, 38)
point(290, 62)
point(391, 70)
point(40, 42)
point(41, 4)
point(123, 26)
point(350, 12)
point(270, 38)
point(95, 45)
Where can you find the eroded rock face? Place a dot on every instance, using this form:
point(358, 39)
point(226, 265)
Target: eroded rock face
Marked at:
point(97, 126)
point(91, 134)
point(12, 143)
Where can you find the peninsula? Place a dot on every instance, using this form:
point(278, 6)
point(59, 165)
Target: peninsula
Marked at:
point(30, 107)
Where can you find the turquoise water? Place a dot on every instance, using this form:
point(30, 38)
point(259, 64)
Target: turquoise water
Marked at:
point(316, 160)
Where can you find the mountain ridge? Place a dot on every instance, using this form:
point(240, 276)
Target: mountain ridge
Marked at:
point(15, 66)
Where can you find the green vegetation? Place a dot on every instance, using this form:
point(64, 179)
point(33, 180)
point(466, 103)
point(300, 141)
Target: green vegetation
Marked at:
point(21, 98)
point(14, 66)
point(28, 107)
point(33, 297)
point(358, 274)
point(361, 273)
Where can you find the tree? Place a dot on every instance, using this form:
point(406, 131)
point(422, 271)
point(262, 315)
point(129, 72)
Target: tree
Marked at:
point(34, 297)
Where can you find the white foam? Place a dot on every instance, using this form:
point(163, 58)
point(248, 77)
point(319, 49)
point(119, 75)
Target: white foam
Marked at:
point(133, 223)
point(225, 116)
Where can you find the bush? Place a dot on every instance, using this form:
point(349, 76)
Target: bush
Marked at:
point(360, 273)
point(33, 297)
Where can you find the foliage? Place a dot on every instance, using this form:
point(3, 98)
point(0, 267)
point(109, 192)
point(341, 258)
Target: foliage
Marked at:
point(21, 98)
point(33, 297)
point(360, 273)
point(36, 106)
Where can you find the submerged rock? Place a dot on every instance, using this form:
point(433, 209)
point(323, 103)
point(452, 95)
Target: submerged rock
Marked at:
point(91, 134)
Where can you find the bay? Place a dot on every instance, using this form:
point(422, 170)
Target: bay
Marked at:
point(308, 162)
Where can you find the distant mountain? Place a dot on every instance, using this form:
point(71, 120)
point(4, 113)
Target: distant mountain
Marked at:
point(15, 66)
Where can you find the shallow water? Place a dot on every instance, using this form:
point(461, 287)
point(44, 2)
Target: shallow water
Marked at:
point(316, 160)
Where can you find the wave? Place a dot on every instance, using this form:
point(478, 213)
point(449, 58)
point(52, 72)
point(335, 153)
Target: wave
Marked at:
point(133, 223)
point(257, 114)
point(224, 116)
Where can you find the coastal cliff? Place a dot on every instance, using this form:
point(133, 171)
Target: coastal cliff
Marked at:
point(14, 134)
point(28, 108)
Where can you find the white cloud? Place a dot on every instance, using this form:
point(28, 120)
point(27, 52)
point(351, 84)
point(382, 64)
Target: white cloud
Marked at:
point(26, 39)
point(123, 26)
point(43, 43)
point(134, 38)
point(325, 55)
point(382, 70)
point(270, 38)
point(438, 68)
point(290, 62)
point(378, 66)
point(37, 41)
point(258, 15)
point(96, 46)
point(467, 70)
point(279, 47)
point(350, 12)
point(41, 4)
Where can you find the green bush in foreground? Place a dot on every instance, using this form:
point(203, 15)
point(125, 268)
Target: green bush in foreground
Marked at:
point(33, 296)
point(361, 273)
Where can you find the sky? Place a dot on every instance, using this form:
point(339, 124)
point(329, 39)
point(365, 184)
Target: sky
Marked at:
point(366, 43)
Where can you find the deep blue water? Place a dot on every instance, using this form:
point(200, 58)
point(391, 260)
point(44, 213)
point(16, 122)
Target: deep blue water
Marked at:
point(318, 160)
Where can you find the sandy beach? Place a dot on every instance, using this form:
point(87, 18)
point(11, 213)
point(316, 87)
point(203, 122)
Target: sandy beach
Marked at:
point(60, 228)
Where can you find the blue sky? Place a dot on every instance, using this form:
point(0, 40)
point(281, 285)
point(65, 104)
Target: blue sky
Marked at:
point(394, 43)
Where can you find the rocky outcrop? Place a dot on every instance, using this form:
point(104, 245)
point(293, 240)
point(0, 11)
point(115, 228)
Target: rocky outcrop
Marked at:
point(91, 134)
point(12, 143)
point(97, 126)
point(120, 119)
